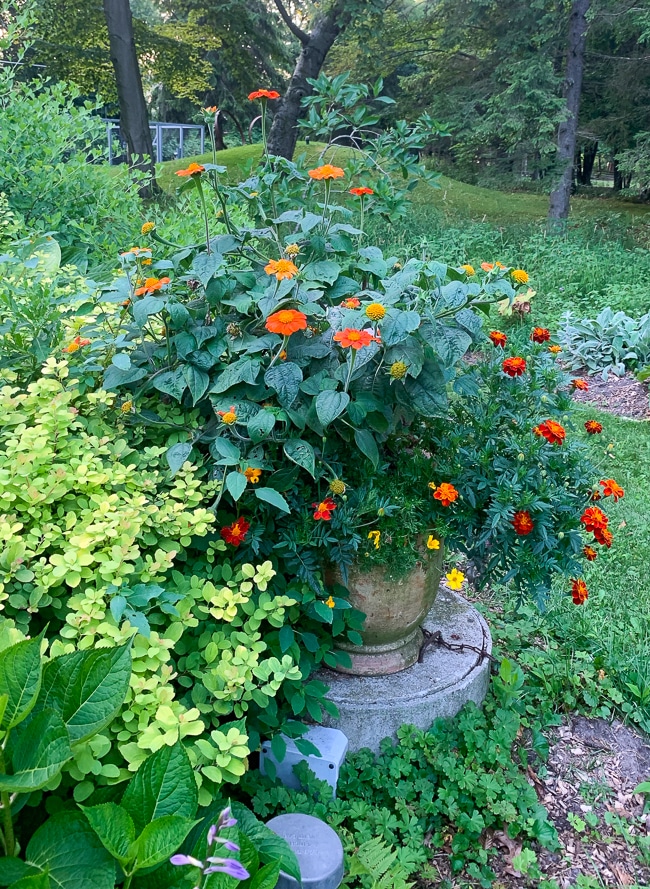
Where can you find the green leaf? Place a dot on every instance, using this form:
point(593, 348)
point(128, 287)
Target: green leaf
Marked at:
point(122, 360)
point(87, 688)
point(114, 377)
point(148, 305)
point(261, 425)
point(372, 260)
point(114, 827)
point(40, 750)
point(302, 453)
point(286, 638)
point(323, 611)
point(177, 455)
point(160, 839)
point(269, 845)
point(235, 484)
point(366, 443)
point(270, 495)
point(330, 405)
point(68, 849)
point(397, 325)
point(266, 877)
point(279, 747)
point(247, 853)
point(245, 370)
point(172, 382)
point(163, 785)
point(197, 381)
point(449, 343)
point(427, 392)
point(285, 378)
point(20, 679)
point(33, 881)
point(204, 265)
point(644, 787)
point(324, 271)
point(12, 869)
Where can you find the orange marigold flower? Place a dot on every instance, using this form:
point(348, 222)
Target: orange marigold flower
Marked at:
point(359, 192)
point(235, 533)
point(281, 268)
point(351, 303)
point(76, 344)
point(589, 553)
point(596, 495)
point(552, 431)
point(498, 338)
point(350, 338)
point(445, 493)
point(263, 94)
point(193, 170)
point(327, 171)
point(593, 518)
point(540, 335)
point(579, 591)
point(583, 385)
point(514, 367)
point(593, 427)
point(286, 322)
point(522, 522)
point(555, 350)
point(612, 489)
point(324, 509)
point(151, 285)
point(603, 536)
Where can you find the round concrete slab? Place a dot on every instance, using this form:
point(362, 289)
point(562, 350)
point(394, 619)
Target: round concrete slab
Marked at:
point(373, 708)
point(318, 849)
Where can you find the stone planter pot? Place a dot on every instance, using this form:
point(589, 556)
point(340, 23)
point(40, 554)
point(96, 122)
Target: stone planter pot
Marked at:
point(394, 611)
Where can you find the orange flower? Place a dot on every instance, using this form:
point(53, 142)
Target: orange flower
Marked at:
point(540, 335)
point(151, 285)
point(594, 519)
point(359, 192)
point(263, 94)
point(611, 489)
point(593, 427)
point(596, 495)
point(487, 266)
point(76, 344)
point(354, 339)
point(212, 109)
point(589, 553)
point(553, 432)
point(327, 171)
point(555, 350)
point(522, 522)
point(514, 367)
point(324, 509)
point(252, 475)
point(286, 322)
point(603, 536)
point(445, 493)
point(281, 268)
point(498, 338)
point(235, 533)
point(351, 303)
point(228, 417)
point(192, 170)
point(579, 591)
point(330, 602)
point(583, 385)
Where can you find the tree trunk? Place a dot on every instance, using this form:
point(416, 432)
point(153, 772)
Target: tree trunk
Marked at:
point(618, 176)
point(566, 137)
point(589, 158)
point(315, 46)
point(134, 120)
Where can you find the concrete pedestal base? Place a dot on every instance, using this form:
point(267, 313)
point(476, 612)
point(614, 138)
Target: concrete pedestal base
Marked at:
point(374, 707)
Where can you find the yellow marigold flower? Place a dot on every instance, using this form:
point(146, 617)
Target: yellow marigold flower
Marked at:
point(147, 261)
point(398, 370)
point(519, 276)
point(336, 486)
point(455, 579)
point(375, 311)
point(292, 250)
point(555, 349)
point(330, 602)
point(283, 355)
point(469, 269)
point(127, 407)
point(432, 543)
point(252, 475)
point(254, 194)
point(375, 536)
point(148, 227)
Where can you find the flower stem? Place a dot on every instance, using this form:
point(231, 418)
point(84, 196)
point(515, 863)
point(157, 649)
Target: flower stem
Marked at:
point(352, 360)
point(205, 214)
point(7, 822)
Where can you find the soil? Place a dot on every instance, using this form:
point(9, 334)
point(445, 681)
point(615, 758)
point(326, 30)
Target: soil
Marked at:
point(622, 396)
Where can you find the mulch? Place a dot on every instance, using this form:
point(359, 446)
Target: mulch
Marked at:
point(622, 396)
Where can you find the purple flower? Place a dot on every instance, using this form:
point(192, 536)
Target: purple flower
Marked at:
point(186, 859)
point(226, 819)
point(232, 847)
point(229, 866)
point(212, 834)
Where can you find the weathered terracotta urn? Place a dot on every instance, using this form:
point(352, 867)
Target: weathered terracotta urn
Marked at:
point(394, 610)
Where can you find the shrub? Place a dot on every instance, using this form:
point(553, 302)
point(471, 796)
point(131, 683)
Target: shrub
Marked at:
point(611, 342)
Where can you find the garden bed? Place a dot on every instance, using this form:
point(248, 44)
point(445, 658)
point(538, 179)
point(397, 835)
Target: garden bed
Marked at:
point(623, 396)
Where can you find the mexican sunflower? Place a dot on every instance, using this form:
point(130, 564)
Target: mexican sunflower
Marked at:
point(151, 285)
point(327, 171)
point(359, 192)
point(193, 170)
point(593, 427)
point(522, 522)
point(579, 591)
point(514, 367)
point(286, 322)
point(235, 533)
point(498, 339)
point(540, 335)
point(281, 268)
point(593, 518)
point(469, 270)
point(228, 417)
point(350, 338)
point(352, 302)
point(76, 344)
point(519, 276)
point(324, 509)
point(444, 492)
point(263, 94)
point(612, 489)
point(552, 431)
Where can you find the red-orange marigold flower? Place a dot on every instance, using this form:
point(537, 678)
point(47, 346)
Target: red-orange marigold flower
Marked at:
point(193, 170)
point(286, 322)
point(352, 302)
point(593, 427)
point(612, 489)
point(603, 536)
point(281, 268)
point(578, 383)
point(235, 533)
point(327, 171)
point(151, 285)
point(579, 591)
point(522, 522)
point(498, 338)
point(594, 518)
point(263, 94)
point(514, 367)
point(589, 553)
point(350, 338)
point(552, 431)
point(540, 335)
point(445, 493)
point(359, 192)
point(324, 509)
